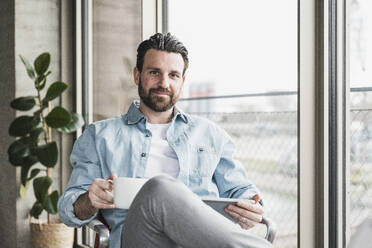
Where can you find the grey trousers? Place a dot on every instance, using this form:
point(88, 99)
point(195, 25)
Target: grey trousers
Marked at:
point(165, 213)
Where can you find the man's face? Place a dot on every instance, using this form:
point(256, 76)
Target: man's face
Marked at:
point(160, 82)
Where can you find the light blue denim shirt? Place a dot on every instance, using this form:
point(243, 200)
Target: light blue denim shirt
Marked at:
point(121, 145)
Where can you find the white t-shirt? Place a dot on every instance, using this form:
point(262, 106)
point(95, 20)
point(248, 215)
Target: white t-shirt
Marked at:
point(162, 158)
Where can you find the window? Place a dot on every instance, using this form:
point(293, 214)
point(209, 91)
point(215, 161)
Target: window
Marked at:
point(243, 76)
point(360, 175)
point(281, 96)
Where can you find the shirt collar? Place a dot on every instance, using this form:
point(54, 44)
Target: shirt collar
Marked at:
point(135, 115)
point(179, 113)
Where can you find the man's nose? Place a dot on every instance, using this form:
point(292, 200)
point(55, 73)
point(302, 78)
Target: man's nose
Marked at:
point(164, 81)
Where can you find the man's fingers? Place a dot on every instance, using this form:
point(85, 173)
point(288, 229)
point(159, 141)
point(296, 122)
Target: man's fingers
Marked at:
point(98, 202)
point(112, 176)
point(94, 197)
point(256, 198)
point(245, 213)
point(244, 223)
point(100, 192)
point(103, 195)
point(100, 205)
point(102, 183)
point(253, 207)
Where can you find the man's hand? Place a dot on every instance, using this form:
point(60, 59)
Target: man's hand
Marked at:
point(100, 193)
point(99, 196)
point(247, 214)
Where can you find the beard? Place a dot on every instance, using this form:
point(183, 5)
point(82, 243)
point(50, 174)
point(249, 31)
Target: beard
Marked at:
point(154, 102)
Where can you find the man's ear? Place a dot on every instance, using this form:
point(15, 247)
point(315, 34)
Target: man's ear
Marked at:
point(183, 83)
point(136, 75)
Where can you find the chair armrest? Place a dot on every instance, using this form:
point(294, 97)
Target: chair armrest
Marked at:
point(271, 229)
point(102, 231)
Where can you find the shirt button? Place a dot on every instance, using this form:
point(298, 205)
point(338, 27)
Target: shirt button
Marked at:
point(143, 154)
point(147, 135)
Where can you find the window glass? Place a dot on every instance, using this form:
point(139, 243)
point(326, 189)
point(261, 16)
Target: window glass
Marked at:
point(243, 76)
point(360, 184)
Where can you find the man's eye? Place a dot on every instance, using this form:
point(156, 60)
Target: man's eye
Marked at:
point(154, 72)
point(174, 75)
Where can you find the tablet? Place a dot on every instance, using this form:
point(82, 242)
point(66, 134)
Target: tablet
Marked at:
point(219, 204)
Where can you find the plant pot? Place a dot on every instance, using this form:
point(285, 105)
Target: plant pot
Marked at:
point(54, 235)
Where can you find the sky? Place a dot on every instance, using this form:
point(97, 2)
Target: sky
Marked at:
point(242, 46)
point(360, 43)
point(246, 46)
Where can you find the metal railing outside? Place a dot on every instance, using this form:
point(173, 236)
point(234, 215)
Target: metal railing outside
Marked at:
point(266, 144)
point(360, 186)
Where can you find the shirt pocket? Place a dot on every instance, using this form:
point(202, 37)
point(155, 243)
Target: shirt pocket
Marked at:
point(204, 162)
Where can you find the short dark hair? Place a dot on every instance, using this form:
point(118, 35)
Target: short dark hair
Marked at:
point(162, 42)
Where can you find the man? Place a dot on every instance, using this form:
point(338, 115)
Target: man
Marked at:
point(156, 138)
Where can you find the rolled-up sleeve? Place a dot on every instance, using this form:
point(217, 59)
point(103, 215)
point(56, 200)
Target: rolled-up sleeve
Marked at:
point(85, 167)
point(230, 176)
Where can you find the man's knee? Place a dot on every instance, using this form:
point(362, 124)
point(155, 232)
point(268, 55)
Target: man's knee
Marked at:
point(160, 184)
point(162, 189)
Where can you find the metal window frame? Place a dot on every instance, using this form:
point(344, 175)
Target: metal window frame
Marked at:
point(322, 122)
point(83, 78)
point(152, 17)
point(322, 100)
point(339, 109)
point(309, 94)
point(86, 63)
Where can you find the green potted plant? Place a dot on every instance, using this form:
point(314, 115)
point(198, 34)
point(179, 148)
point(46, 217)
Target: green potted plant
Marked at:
point(34, 150)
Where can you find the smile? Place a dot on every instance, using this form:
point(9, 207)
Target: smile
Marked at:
point(160, 93)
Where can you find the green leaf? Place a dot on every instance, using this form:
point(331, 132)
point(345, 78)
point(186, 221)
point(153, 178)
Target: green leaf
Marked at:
point(23, 125)
point(54, 91)
point(26, 161)
point(58, 117)
point(41, 63)
point(47, 154)
point(23, 103)
point(30, 160)
point(34, 173)
point(23, 190)
point(76, 122)
point(34, 134)
point(40, 82)
point(41, 186)
point(35, 120)
point(50, 202)
point(18, 150)
point(36, 210)
point(30, 70)
point(24, 173)
point(38, 112)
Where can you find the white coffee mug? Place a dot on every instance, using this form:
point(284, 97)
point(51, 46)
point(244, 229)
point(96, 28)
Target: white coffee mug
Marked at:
point(126, 189)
